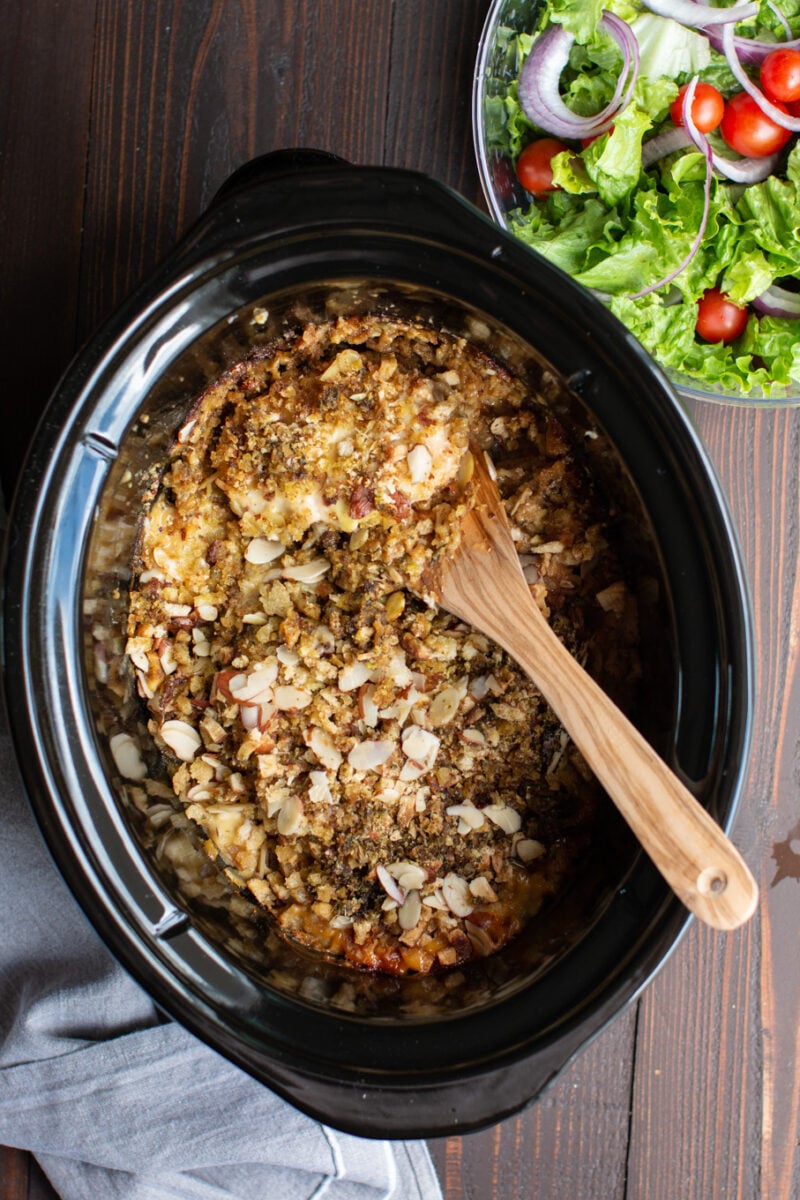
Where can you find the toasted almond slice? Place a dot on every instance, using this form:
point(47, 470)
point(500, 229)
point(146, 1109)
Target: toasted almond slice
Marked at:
point(420, 463)
point(475, 737)
point(310, 572)
point(127, 756)
point(481, 889)
point(353, 676)
point(322, 744)
point(255, 685)
point(410, 911)
point(367, 708)
point(207, 612)
point(289, 699)
point(410, 771)
point(529, 849)
point(287, 656)
point(183, 740)
point(370, 755)
point(472, 817)
point(457, 896)
point(507, 818)
point(290, 817)
point(445, 703)
point(409, 875)
point(421, 746)
point(263, 550)
point(319, 791)
point(390, 884)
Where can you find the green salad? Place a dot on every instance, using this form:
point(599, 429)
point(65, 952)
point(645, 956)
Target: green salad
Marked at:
point(663, 213)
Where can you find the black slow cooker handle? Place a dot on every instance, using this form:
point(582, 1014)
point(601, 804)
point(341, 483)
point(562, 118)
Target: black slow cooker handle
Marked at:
point(276, 162)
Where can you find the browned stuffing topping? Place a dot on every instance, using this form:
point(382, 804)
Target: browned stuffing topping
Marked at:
point(383, 779)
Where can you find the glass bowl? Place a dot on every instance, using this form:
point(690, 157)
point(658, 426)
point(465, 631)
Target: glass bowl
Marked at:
point(497, 69)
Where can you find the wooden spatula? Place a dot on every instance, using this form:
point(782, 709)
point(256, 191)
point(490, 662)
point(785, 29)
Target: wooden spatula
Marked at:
point(482, 582)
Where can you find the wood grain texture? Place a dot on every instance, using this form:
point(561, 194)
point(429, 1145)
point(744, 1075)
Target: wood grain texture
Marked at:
point(717, 1094)
point(45, 66)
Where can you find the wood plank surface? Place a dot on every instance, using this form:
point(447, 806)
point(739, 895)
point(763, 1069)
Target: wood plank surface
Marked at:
point(118, 122)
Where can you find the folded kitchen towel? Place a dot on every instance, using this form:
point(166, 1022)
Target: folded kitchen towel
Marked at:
point(118, 1103)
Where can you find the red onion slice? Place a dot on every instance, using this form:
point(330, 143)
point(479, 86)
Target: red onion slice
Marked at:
point(539, 79)
point(778, 302)
point(673, 138)
point(767, 107)
point(693, 12)
point(751, 50)
point(787, 29)
point(688, 99)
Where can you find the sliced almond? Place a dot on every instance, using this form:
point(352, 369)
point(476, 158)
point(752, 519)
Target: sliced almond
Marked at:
point(367, 708)
point(390, 884)
point(310, 572)
point(409, 875)
point(263, 550)
point(445, 704)
point(410, 911)
point(481, 889)
point(255, 685)
point(127, 756)
point(322, 744)
point(183, 740)
point(472, 817)
point(420, 463)
point(353, 676)
point(319, 791)
point(290, 699)
point(507, 818)
point(290, 817)
point(370, 755)
point(287, 656)
point(529, 849)
point(457, 896)
point(420, 745)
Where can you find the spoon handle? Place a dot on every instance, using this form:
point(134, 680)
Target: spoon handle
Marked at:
point(692, 852)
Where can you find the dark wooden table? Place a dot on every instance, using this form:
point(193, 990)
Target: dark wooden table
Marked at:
point(118, 122)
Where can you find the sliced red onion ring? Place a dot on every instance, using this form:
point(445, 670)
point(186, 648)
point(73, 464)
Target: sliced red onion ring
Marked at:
point(750, 50)
point(674, 137)
point(541, 72)
point(693, 12)
point(786, 120)
point(688, 100)
point(778, 302)
point(787, 29)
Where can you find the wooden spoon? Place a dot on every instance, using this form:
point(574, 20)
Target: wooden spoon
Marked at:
point(482, 582)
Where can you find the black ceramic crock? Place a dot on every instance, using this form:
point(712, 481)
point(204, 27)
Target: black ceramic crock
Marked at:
point(295, 232)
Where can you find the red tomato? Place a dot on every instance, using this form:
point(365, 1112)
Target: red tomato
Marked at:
point(707, 107)
point(533, 165)
point(718, 318)
point(748, 130)
point(780, 74)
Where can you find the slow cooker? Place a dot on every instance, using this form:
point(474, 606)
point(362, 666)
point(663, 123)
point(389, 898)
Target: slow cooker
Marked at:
point(289, 237)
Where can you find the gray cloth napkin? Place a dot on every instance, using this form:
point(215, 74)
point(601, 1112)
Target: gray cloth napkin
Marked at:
point(118, 1103)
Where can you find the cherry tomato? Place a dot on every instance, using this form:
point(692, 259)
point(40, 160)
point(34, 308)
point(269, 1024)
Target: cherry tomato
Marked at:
point(780, 74)
point(718, 318)
point(748, 130)
point(533, 165)
point(708, 106)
